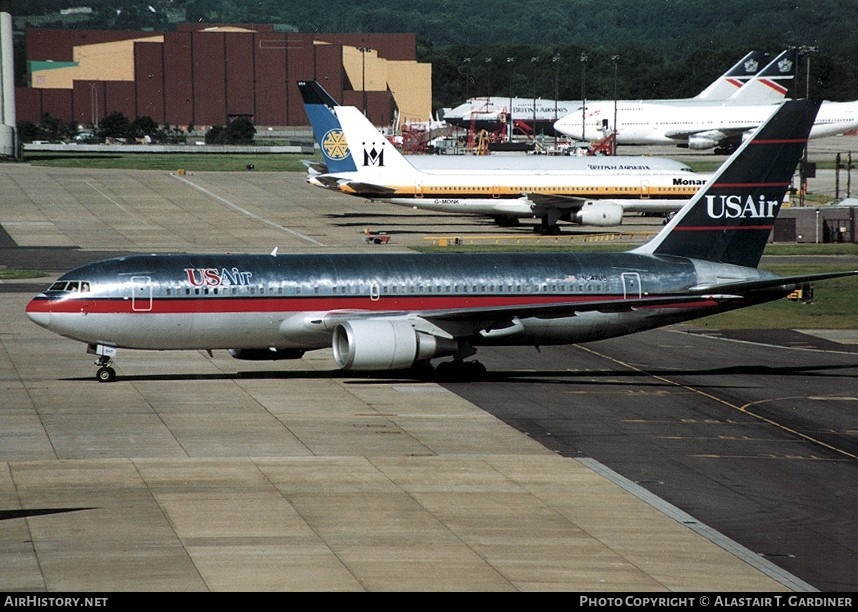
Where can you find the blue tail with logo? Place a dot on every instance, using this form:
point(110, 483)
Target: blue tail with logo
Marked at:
point(729, 220)
point(321, 109)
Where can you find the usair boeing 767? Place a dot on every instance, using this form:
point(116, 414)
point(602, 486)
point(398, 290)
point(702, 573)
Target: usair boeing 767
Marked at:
point(397, 311)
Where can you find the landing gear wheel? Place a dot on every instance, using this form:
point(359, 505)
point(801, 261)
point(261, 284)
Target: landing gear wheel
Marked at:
point(105, 374)
point(546, 230)
point(460, 371)
point(475, 370)
point(506, 221)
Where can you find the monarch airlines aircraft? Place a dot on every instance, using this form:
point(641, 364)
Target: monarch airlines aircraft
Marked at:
point(362, 162)
point(397, 311)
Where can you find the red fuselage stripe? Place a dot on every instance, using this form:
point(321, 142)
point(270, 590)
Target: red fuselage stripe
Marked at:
point(219, 305)
point(742, 185)
point(779, 141)
point(722, 228)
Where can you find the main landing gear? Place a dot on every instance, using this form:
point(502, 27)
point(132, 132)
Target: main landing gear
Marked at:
point(546, 230)
point(458, 370)
point(547, 225)
point(105, 353)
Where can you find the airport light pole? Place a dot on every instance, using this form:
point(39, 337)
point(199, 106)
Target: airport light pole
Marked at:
point(616, 59)
point(464, 71)
point(535, 61)
point(804, 167)
point(93, 93)
point(583, 59)
point(556, 61)
point(488, 62)
point(363, 51)
point(510, 125)
point(806, 51)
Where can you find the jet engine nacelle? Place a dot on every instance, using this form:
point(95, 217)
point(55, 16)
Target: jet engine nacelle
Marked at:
point(379, 344)
point(266, 354)
point(601, 213)
point(705, 140)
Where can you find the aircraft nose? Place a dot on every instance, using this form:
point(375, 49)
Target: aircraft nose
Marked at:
point(39, 312)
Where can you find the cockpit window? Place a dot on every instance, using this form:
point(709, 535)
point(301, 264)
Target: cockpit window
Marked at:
point(73, 286)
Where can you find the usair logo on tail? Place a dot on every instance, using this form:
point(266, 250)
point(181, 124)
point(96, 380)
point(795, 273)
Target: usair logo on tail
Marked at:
point(334, 145)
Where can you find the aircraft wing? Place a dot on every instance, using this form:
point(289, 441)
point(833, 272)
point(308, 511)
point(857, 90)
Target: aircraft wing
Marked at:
point(558, 310)
point(541, 200)
point(457, 322)
point(718, 134)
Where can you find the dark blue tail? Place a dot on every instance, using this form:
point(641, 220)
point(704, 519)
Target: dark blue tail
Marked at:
point(321, 110)
point(729, 220)
point(731, 81)
point(772, 83)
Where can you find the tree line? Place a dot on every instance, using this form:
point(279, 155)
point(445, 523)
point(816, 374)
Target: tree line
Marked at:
point(636, 48)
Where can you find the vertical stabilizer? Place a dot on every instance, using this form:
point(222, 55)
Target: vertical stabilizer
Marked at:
point(321, 111)
point(729, 220)
point(772, 83)
point(732, 80)
point(374, 155)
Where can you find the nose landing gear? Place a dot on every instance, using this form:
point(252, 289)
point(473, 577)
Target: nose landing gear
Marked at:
point(105, 372)
point(105, 353)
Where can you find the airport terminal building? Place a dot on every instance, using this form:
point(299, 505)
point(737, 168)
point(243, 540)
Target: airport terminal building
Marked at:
point(202, 75)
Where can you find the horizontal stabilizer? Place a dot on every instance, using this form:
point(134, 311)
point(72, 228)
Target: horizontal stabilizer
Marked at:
point(369, 189)
point(759, 285)
point(316, 167)
point(328, 181)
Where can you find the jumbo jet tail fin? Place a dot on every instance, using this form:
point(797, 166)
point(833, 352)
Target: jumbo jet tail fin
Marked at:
point(730, 218)
point(321, 110)
point(772, 83)
point(732, 80)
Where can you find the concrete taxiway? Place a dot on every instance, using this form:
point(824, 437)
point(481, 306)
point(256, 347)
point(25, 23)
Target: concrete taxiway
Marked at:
point(201, 473)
